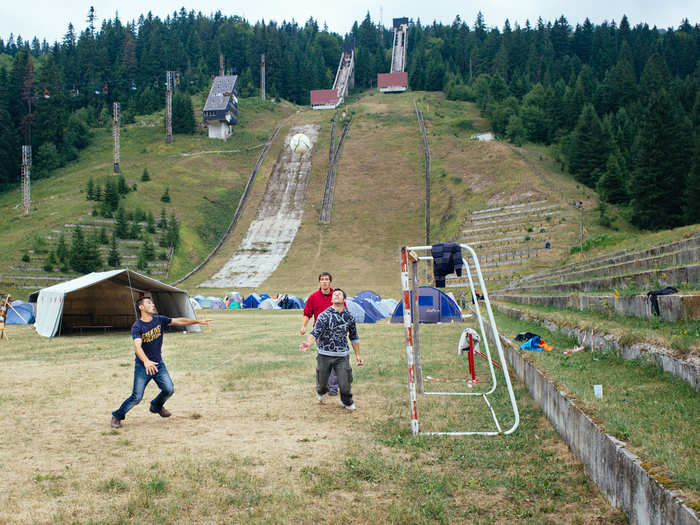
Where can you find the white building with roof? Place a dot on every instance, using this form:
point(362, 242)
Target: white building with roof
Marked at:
point(221, 109)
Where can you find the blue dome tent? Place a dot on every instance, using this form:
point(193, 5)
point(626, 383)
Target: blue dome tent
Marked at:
point(434, 305)
point(369, 295)
point(253, 300)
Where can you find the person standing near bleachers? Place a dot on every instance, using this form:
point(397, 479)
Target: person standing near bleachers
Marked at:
point(317, 302)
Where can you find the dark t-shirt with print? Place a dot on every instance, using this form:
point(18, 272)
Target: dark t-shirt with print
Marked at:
point(151, 335)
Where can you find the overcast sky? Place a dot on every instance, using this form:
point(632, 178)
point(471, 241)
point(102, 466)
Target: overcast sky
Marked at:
point(49, 19)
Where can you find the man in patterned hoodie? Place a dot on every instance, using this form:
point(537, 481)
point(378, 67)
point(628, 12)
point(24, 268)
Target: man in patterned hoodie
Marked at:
point(330, 334)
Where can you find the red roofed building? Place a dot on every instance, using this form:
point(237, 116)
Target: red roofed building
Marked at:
point(324, 99)
point(392, 82)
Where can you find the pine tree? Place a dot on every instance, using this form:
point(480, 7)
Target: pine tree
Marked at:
point(173, 232)
point(90, 190)
point(183, 114)
point(121, 226)
point(93, 260)
point(122, 188)
point(50, 262)
point(662, 164)
point(692, 192)
point(612, 186)
point(148, 249)
point(515, 131)
point(166, 195)
point(111, 195)
point(62, 252)
point(589, 147)
point(142, 260)
point(145, 177)
point(134, 230)
point(113, 259)
point(150, 223)
point(162, 220)
point(104, 239)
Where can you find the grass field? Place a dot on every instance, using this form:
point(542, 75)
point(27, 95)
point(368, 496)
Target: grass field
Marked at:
point(248, 442)
point(640, 405)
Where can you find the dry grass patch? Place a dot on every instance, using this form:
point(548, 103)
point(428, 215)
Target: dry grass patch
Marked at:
point(249, 442)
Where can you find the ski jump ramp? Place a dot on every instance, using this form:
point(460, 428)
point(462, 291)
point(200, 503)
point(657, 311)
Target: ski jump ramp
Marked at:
point(278, 218)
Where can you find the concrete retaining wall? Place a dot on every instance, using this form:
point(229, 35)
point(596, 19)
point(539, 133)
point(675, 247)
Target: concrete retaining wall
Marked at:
point(617, 257)
point(674, 307)
point(616, 471)
point(648, 279)
point(686, 369)
point(688, 256)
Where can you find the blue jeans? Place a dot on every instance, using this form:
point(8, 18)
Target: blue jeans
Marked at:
point(141, 379)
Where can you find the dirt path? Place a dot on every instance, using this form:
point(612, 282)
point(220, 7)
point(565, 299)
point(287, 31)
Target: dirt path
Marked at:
point(273, 230)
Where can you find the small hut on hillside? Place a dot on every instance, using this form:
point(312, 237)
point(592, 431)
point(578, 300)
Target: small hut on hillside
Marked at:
point(221, 109)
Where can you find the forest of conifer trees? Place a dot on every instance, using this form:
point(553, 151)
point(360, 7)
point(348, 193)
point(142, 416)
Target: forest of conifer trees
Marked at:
point(620, 105)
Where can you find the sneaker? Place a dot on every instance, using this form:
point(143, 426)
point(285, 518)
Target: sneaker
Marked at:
point(321, 398)
point(163, 412)
point(115, 423)
point(348, 407)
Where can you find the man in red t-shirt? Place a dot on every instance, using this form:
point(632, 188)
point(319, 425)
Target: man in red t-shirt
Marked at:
point(315, 305)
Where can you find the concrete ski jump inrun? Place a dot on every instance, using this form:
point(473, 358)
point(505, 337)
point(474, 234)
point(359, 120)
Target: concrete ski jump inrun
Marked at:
point(273, 230)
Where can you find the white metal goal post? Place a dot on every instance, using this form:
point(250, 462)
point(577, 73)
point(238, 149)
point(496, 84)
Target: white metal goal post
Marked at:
point(410, 322)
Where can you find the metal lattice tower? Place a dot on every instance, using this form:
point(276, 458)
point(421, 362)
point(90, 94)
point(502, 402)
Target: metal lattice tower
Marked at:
point(115, 133)
point(169, 107)
point(262, 76)
point(26, 168)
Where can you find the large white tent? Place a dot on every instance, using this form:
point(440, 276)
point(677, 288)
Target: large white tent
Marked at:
point(104, 299)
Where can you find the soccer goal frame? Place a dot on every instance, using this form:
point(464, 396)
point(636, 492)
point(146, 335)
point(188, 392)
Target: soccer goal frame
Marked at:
point(409, 285)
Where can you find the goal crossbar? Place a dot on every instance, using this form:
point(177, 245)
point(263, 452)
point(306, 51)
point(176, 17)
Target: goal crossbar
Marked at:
point(411, 334)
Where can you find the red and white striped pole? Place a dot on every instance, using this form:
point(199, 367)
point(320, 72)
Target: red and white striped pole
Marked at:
point(408, 328)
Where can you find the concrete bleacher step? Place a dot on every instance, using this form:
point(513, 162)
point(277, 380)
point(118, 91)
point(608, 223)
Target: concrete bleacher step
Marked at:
point(515, 213)
point(518, 226)
point(505, 241)
point(675, 307)
point(515, 220)
point(508, 207)
point(645, 279)
point(659, 262)
point(616, 257)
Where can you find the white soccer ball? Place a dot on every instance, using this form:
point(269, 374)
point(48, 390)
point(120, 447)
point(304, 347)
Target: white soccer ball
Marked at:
point(300, 143)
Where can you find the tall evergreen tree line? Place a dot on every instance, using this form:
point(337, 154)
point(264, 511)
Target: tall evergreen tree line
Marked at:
point(590, 89)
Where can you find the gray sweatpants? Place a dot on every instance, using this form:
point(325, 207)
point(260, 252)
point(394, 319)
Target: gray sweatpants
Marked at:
point(341, 365)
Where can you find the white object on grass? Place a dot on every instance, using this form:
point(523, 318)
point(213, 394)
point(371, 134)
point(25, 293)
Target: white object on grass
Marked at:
point(300, 143)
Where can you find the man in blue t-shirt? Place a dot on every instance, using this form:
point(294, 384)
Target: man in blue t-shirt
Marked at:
point(147, 334)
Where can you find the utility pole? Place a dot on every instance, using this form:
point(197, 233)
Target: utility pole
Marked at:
point(221, 64)
point(169, 107)
point(26, 168)
point(115, 133)
point(579, 205)
point(262, 76)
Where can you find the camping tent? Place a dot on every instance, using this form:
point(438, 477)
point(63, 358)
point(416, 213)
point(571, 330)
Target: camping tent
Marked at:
point(369, 295)
point(209, 302)
point(252, 301)
point(268, 304)
point(369, 307)
point(104, 299)
point(233, 296)
point(290, 302)
point(386, 306)
point(434, 306)
point(20, 313)
point(358, 312)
